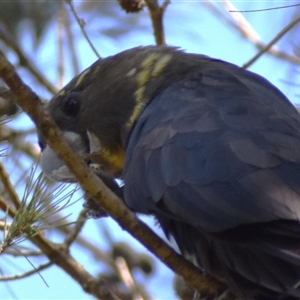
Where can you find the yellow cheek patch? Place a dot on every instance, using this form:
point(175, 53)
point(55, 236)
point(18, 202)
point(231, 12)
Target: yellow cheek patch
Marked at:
point(131, 72)
point(160, 64)
point(113, 162)
point(109, 161)
point(146, 67)
point(62, 92)
point(81, 77)
point(151, 67)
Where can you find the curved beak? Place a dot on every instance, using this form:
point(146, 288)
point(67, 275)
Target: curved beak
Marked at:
point(54, 167)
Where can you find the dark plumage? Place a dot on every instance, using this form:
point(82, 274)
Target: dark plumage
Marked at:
point(210, 149)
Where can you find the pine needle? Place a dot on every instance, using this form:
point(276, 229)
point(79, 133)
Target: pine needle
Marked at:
point(38, 205)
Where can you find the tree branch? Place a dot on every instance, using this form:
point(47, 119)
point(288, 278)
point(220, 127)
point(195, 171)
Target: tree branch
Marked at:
point(81, 24)
point(26, 274)
point(9, 187)
point(156, 14)
point(237, 21)
point(272, 42)
point(25, 61)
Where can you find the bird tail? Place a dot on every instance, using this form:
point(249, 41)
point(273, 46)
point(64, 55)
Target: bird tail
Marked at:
point(258, 261)
point(264, 259)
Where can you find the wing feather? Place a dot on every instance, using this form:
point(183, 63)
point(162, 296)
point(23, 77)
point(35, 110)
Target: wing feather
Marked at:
point(213, 148)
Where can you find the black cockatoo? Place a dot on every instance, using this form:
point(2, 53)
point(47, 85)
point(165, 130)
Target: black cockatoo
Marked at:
point(208, 148)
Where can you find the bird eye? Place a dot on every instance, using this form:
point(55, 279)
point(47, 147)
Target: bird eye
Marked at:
point(71, 104)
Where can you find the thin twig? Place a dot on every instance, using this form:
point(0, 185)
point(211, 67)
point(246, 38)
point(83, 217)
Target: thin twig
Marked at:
point(265, 9)
point(6, 208)
point(71, 45)
point(157, 14)
point(240, 24)
point(81, 24)
point(127, 278)
point(60, 43)
point(98, 254)
point(24, 61)
point(9, 187)
point(272, 42)
point(16, 139)
point(26, 274)
point(76, 230)
point(245, 27)
point(22, 252)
